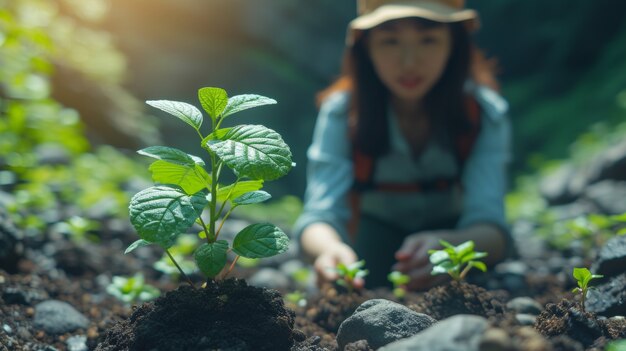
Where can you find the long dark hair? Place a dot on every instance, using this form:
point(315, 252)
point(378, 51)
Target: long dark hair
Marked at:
point(444, 103)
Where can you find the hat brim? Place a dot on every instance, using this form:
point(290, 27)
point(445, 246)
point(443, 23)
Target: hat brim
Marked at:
point(407, 9)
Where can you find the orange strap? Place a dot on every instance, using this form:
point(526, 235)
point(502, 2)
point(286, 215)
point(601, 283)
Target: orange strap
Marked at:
point(364, 169)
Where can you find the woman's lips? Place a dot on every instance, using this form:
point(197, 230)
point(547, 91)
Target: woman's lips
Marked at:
point(410, 82)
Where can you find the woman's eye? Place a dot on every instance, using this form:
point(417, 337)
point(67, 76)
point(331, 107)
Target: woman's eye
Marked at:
point(429, 40)
point(388, 41)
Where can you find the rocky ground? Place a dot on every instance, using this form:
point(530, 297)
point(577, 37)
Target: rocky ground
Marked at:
point(53, 292)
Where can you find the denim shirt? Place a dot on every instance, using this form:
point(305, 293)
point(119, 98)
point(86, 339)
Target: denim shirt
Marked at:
point(330, 174)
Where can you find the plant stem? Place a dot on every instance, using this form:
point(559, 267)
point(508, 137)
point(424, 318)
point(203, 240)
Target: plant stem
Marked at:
point(464, 272)
point(224, 220)
point(582, 299)
point(232, 265)
point(179, 269)
point(206, 231)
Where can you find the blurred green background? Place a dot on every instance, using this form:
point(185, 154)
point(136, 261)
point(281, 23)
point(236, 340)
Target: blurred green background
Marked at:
point(74, 66)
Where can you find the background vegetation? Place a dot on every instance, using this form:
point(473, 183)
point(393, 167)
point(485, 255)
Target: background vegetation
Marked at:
point(74, 73)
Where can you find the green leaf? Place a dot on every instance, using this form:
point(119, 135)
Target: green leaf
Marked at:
point(253, 197)
point(171, 155)
point(211, 258)
point(191, 178)
point(137, 244)
point(213, 101)
point(438, 256)
point(162, 212)
point(253, 151)
point(239, 103)
point(581, 274)
point(479, 265)
point(260, 240)
point(216, 135)
point(186, 112)
point(238, 189)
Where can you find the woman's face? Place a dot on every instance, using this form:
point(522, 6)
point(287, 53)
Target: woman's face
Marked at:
point(409, 59)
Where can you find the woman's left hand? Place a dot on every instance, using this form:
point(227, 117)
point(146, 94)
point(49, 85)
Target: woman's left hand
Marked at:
point(413, 260)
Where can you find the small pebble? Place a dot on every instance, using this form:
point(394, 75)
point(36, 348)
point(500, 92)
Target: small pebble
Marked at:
point(7, 328)
point(77, 343)
point(525, 319)
point(495, 339)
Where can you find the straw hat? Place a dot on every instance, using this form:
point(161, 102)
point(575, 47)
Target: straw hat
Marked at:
point(374, 12)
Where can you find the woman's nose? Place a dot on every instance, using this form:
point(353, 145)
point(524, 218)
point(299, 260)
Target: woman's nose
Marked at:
point(408, 56)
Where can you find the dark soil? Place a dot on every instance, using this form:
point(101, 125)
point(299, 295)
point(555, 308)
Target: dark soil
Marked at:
point(566, 318)
point(460, 298)
point(234, 316)
point(230, 315)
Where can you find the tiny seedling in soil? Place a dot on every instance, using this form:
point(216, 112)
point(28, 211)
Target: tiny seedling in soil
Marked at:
point(456, 260)
point(583, 276)
point(399, 282)
point(348, 273)
point(185, 188)
point(132, 289)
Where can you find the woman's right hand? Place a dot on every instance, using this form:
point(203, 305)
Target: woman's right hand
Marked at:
point(327, 261)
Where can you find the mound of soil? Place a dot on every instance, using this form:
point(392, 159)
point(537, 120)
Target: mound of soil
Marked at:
point(228, 315)
point(566, 318)
point(460, 298)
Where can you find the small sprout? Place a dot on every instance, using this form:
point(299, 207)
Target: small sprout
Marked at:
point(456, 260)
point(347, 274)
point(132, 289)
point(296, 298)
point(399, 282)
point(583, 276)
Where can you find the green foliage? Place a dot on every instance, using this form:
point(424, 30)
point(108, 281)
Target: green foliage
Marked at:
point(617, 345)
point(456, 260)
point(591, 230)
point(583, 276)
point(162, 213)
point(399, 282)
point(34, 126)
point(132, 289)
point(348, 273)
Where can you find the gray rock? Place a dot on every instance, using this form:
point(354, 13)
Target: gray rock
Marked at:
point(608, 196)
point(554, 187)
point(58, 317)
point(608, 299)
point(611, 260)
point(526, 319)
point(380, 322)
point(269, 278)
point(524, 304)
point(460, 332)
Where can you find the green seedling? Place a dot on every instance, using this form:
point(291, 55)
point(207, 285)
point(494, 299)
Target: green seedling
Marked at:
point(296, 298)
point(399, 282)
point(583, 276)
point(185, 188)
point(456, 260)
point(347, 274)
point(132, 289)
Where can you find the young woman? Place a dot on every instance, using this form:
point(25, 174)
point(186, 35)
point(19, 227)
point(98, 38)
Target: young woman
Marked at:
point(410, 146)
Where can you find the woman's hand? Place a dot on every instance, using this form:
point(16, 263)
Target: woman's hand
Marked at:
point(327, 261)
point(413, 260)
